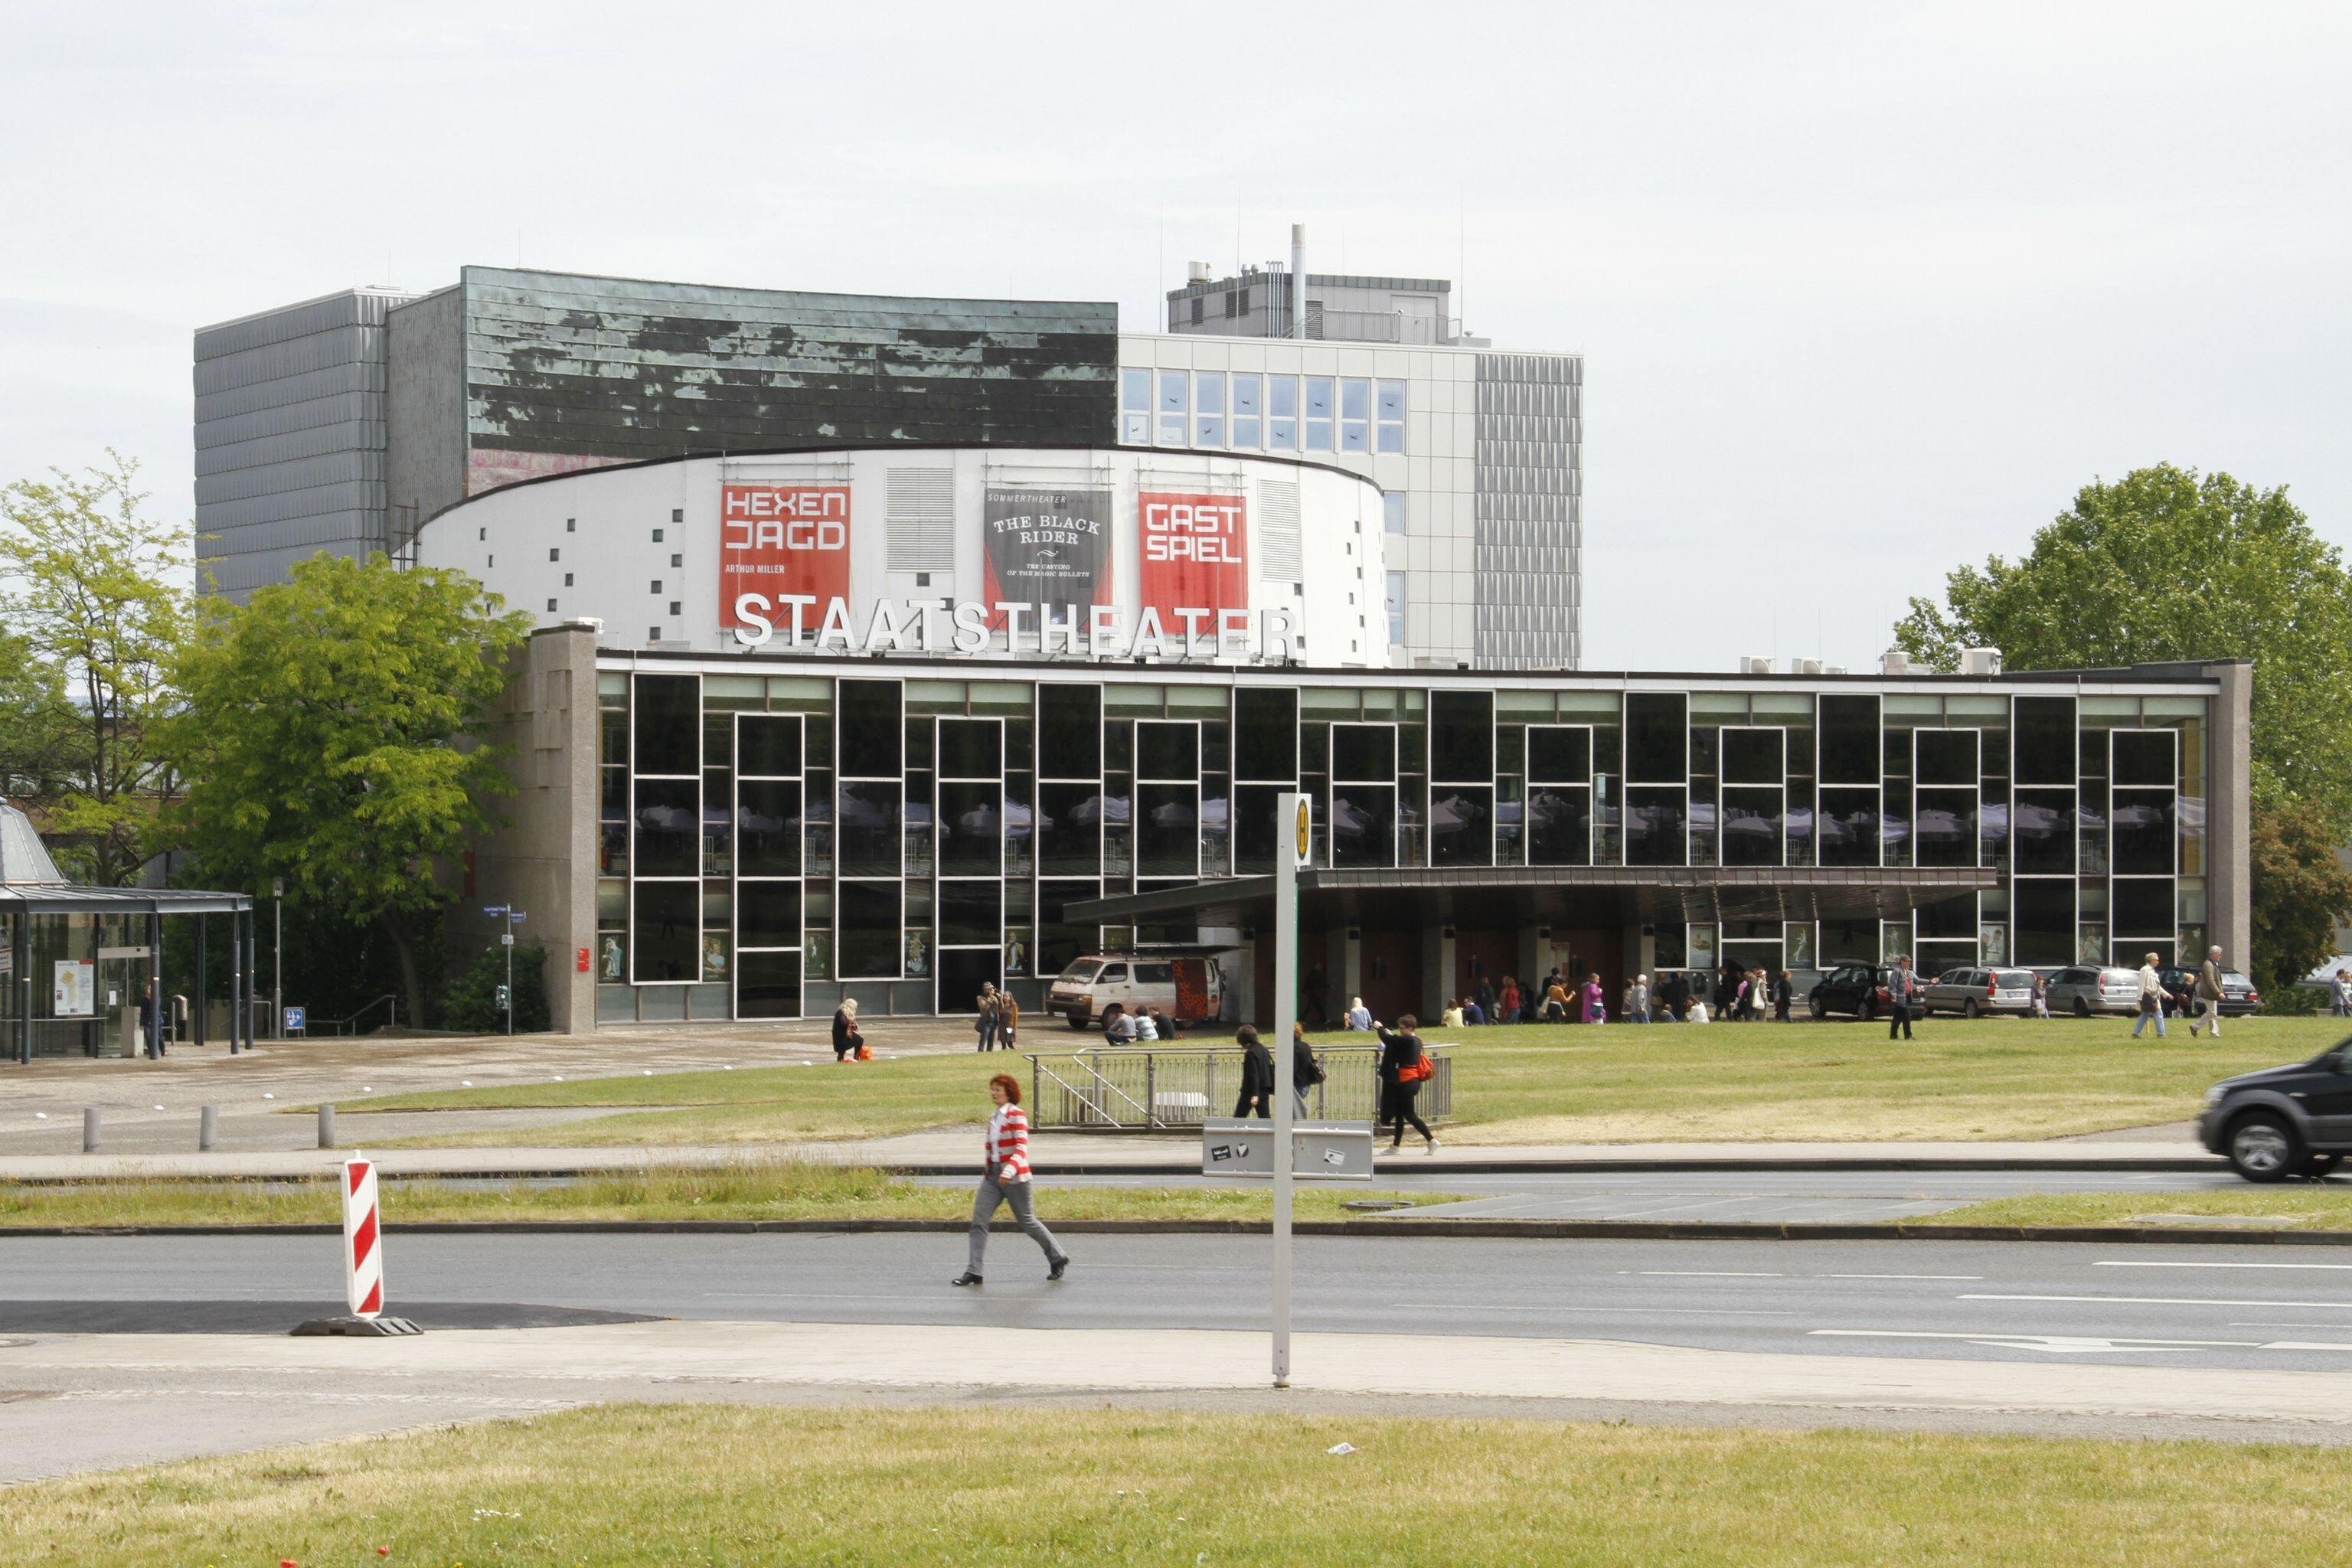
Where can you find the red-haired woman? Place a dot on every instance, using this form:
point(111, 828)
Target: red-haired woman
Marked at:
point(1004, 1178)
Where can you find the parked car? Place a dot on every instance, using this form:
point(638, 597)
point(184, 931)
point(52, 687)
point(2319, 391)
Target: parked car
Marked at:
point(2085, 989)
point(1858, 990)
point(2238, 996)
point(1189, 990)
point(1972, 993)
point(2283, 1121)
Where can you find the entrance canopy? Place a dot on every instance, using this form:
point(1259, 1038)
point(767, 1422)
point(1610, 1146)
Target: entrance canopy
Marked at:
point(1504, 895)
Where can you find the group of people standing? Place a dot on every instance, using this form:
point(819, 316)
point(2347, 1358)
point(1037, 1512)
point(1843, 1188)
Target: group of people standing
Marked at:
point(996, 1018)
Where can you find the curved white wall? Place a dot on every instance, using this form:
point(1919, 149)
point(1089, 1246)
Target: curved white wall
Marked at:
point(635, 541)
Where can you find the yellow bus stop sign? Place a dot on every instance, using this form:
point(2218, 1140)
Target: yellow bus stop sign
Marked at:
point(1303, 846)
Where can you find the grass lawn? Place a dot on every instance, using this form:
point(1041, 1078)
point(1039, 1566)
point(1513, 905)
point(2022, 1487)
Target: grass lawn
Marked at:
point(2300, 1206)
point(1994, 1079)
point(635, 1484)
point(753, 1189)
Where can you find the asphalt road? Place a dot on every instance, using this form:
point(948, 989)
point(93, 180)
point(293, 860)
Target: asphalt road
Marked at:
point(2258, 1307)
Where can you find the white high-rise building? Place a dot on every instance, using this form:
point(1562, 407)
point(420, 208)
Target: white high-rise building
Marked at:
point(1479, 452)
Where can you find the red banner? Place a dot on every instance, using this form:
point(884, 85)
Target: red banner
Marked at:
point(781, 539)
point(1195, 554)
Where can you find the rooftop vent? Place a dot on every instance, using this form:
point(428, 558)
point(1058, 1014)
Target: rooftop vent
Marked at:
point(1755, 664)
point(1895, 661)
point(1196, 271)
point(1980, 661)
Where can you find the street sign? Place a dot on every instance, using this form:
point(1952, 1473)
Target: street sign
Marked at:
point(506, 998)
point(494, 910)
point(296, 1020)
point(1303, 833)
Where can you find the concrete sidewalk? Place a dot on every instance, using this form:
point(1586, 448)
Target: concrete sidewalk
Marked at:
point(104, 1400)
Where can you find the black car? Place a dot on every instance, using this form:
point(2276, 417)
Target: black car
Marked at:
point(1858, 990)
point(2283, 1121)
point(2238, 996)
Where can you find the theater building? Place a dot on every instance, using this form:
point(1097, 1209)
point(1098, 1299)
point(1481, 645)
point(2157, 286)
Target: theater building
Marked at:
point(1055, 737)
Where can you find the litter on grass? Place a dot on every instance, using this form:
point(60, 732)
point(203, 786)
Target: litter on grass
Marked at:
point(1340, 1449)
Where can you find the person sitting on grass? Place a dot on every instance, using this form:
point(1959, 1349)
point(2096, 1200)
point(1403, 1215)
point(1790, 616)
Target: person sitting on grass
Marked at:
point(1358, 1016)
point(1451, 1018)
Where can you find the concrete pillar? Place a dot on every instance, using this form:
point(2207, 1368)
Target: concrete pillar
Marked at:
point(1534, 959)
point(2229, 852)
point(1351, 965)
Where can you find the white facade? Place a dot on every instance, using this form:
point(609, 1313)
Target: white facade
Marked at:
point(640, 548)
point(1478, 453)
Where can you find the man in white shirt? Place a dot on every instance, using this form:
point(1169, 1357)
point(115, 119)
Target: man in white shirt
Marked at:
point(2151, 998)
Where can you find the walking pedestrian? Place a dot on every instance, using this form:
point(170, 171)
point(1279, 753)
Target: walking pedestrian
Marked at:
point(846, 1038)
point(1784, 992)
point(150, 1036)
point(1508, 1002)
point(1257, 1097)
point(1901, 989)
point(1004, 1179)
point(2342, 991)
point(1595, 1005)
point(2042, 996)
point(1404, 1064)
point(2208, 993)
point(1305, 1073)
point(984, 1019)
point(1637, 1000)
point(1554, 999)
point(2151, 998)
point(1008, 1020)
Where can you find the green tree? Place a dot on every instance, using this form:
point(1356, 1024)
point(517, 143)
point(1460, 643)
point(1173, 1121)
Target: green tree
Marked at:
point(37, 724)
point(2299, 888)
point(326, 736)
point(2164, 565)
point(472, 1004)
point(96, 598)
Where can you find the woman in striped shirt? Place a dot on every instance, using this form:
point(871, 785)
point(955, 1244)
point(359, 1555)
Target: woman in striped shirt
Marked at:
point(1004, 1178)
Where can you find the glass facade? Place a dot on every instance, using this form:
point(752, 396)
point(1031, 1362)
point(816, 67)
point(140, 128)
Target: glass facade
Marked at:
point(769, 845)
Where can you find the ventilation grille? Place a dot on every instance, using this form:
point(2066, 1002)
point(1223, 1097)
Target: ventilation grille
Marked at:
point(921, 520)
point(1277, 531)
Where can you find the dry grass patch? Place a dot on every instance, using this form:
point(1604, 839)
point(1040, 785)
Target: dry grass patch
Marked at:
point(631, 1487)
point(776, 1190)
point(2299, 1207)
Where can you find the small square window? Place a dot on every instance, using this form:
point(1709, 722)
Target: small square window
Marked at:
point(922, 579)
point(551, 606)
point(657, 536)
point(494, 561)
point(555, 555)
point(677, 514)
point(677, 560)
point(657, 586)
point(481, 533)
point(653, 634)
point(677, 608)
point(567, 579)
point(571, 525)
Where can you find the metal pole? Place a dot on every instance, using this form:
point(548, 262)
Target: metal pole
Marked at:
point(509, 980)
point(278, 960)
point(196, 1029)
point(1293, 809)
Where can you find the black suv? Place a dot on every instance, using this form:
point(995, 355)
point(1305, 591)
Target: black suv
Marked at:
point(2283, 1121)
point(1859, 989)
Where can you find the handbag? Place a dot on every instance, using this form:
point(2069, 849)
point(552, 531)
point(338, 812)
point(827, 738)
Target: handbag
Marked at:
point(865, 1052)
point(1418, 1069)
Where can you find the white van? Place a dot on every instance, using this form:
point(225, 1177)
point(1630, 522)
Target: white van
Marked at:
point(1190, 990)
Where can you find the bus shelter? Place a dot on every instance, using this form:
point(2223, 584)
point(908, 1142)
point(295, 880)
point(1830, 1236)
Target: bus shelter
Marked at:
point(79, 959)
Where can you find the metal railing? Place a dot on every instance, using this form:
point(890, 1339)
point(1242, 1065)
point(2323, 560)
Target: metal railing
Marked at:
point(351, 1025)
point(1150, 1088)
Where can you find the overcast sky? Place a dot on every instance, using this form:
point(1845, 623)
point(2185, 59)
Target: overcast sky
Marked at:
point(1862, 289)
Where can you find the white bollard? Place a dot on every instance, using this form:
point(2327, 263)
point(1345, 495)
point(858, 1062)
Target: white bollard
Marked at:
point(207, 1127)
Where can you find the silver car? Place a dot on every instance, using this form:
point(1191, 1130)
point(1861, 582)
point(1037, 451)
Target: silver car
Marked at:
point(1972, 993)
point(2086, 989)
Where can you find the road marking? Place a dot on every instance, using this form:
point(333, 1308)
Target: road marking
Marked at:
point(2135, 1263)
point(1957, 1277)
point(1710, 1274)
point(2057, 1344)
point(2148, 1301)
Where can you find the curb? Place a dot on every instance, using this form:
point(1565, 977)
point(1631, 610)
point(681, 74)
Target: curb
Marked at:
point(1475, 1230)
point(2199, 1164)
